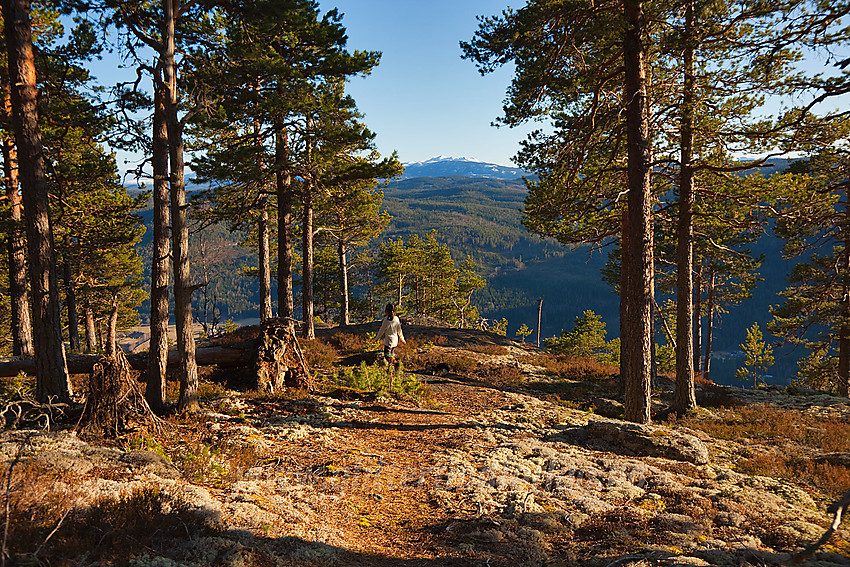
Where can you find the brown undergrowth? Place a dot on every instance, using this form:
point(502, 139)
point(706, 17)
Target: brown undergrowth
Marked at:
point(793, 442)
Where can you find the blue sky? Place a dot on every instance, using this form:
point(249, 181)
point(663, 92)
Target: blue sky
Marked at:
point(423, 100)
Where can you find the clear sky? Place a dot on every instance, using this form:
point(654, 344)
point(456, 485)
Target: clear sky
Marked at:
point(423, 100)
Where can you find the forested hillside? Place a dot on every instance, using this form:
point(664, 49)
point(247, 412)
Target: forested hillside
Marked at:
point(482, 218)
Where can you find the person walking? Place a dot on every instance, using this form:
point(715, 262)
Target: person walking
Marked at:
point(391, 333)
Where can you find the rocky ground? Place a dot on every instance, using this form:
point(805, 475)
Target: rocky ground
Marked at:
point(476, 472)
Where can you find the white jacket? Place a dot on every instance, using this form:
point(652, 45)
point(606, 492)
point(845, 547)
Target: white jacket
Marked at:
point(391, 331)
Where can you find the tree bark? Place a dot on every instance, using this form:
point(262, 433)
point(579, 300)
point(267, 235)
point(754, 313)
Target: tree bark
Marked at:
point(698, 318)
point(112, 327)
point(637, 291)
point(158, 349)
point(52, 381)
point(264, 260)
point(709, 327)
point(343, 284)
point(71, 302)
point(224, 357)
point(844, 328)
point(684, 396)
point(188, 400)
point(91, 332)
point(285, 292)
point(21, 325)
point(309, 330)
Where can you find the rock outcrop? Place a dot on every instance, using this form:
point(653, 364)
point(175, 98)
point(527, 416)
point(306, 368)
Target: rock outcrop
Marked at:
point(649, 441)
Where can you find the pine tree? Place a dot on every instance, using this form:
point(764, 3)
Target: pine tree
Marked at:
point(597, 98)
point(816, 310)
point(758, 357)
point(52, 380)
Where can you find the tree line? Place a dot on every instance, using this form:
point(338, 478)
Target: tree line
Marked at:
point(650, 108)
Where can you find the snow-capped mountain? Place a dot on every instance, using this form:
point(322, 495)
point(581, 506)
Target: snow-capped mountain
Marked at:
point(443, 166)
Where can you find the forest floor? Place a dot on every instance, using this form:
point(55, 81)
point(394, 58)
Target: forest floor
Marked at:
point(498, 461)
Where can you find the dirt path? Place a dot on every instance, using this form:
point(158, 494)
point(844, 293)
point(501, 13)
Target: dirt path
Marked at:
point(379, 471)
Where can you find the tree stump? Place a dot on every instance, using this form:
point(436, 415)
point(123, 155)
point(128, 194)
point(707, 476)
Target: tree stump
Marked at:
point(115, 403)
point(280, 362)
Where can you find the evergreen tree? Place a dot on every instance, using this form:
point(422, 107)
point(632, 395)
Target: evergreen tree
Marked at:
point(816, 310)
point(758, 357)
point(597, 99)
point(52, 380)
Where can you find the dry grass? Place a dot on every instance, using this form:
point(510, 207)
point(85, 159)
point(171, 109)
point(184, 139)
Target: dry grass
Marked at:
point(832, 480)
point(493, 350)
point(792, 436)
point(572, 368)
point(349, 343)
point(418, 359)
point(318, 353)
point(767, 423)
point(48, 524)
point(38, 498)
point(499, 374)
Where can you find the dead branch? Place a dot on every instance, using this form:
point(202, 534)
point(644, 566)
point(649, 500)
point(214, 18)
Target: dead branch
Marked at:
point(837, 509)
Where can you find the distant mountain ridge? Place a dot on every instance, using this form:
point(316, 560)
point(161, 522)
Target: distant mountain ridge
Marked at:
point(443, 166)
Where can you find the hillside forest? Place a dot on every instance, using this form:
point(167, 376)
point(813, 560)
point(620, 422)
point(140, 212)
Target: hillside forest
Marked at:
point(647, 110)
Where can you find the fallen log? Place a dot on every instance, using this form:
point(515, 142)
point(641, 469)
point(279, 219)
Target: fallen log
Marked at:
point(227, 356)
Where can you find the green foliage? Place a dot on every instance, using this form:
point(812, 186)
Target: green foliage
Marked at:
point(586, 339)
point(382, 380)
point(499, 327)
point(420, 276)
point(665, 358)
point(758, 357)
point(818, 369)
point(523, 332)
point(815, 218)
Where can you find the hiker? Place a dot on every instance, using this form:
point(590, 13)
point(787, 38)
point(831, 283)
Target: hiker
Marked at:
point(391, 331)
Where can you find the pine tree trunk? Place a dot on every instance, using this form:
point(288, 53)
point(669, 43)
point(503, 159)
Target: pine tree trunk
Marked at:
point(188, 400)
point(158, 349)
point(285, 291)
point(624, 274)
point(112, 327)
point(684, 396)
point(264, 260)
point(91, 332)
point(52, 381)
point(698, 318)
point(709, 327)
point(637, 290)
point(844, 331)
point(17, 252)
point(71, 303)
point(309, 331)
point(343, 284)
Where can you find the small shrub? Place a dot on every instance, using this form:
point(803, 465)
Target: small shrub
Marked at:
point(523, 332)
point(458, 363)
point(318, 353)
point(574, 368)
point(585, 340)
point(381, 380)
point(499, 373)
point(349, 342)
point(500, 327)
point(832, 480)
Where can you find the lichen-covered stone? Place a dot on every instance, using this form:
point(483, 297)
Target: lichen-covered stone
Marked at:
point(649, 441)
